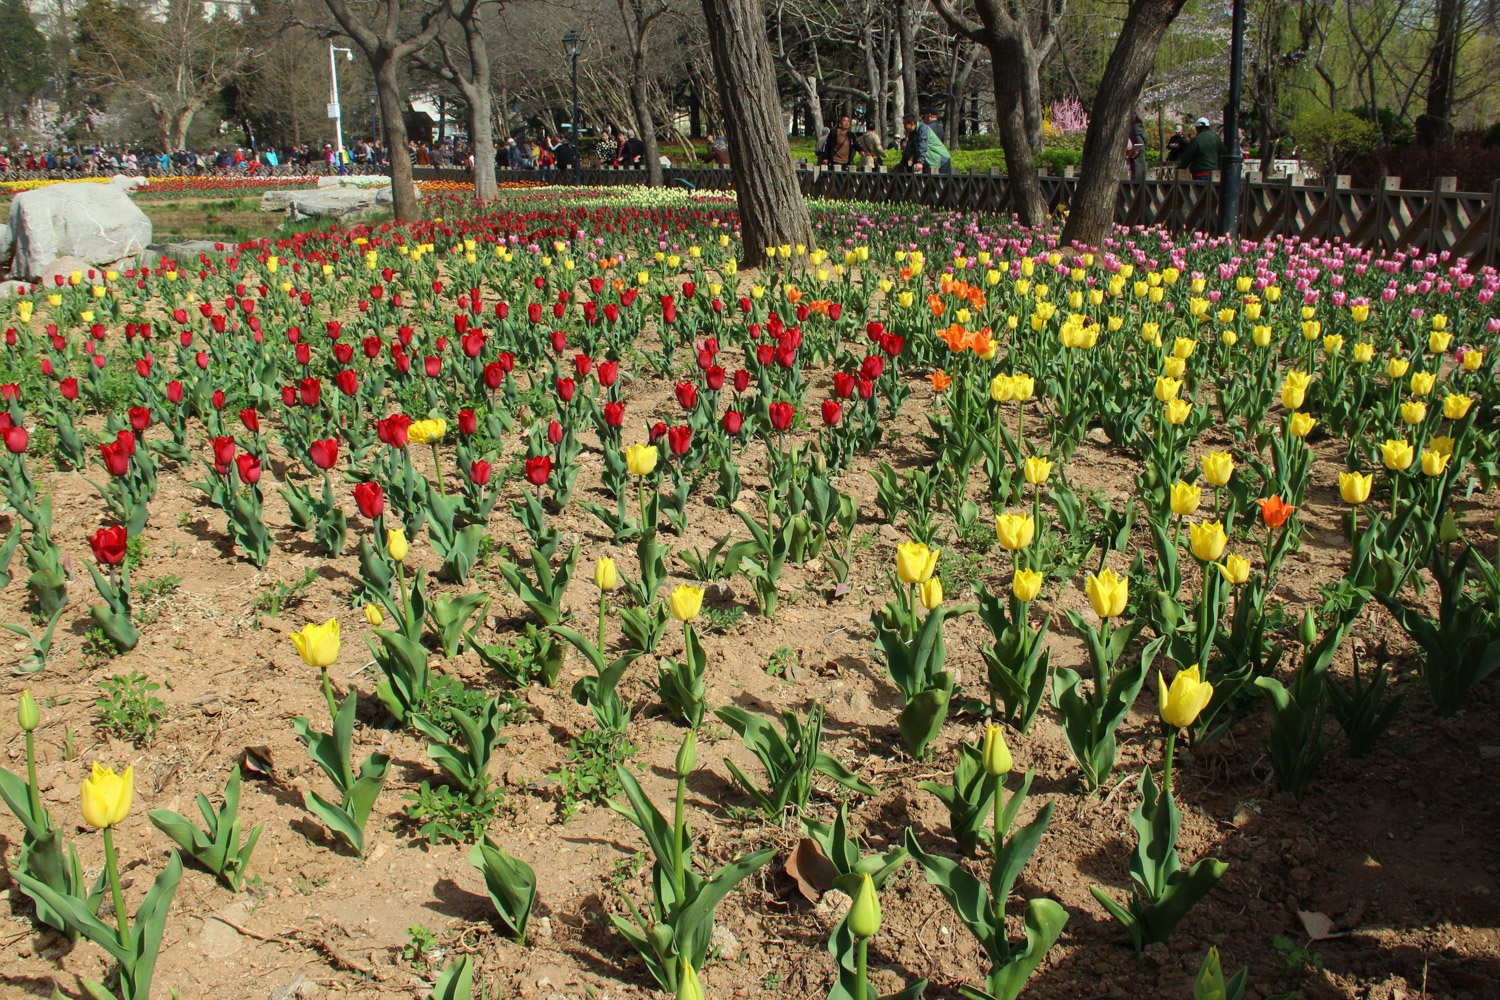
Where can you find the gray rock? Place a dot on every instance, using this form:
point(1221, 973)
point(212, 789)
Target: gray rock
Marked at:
point(188, 252)
point(97, 223)
point(4, 242)
point(331, 203)
point(277, 199)
point(354, 181)
point(9, 288)
point(125, 183)
point(64, 267)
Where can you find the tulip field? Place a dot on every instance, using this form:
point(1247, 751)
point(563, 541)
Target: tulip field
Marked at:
point(532, 602)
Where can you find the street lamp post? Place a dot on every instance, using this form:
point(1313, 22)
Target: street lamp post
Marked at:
point(1229, 207)
point(572, 45)
point(334, 111)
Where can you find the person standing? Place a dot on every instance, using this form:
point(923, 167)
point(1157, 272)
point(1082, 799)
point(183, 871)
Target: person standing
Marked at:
point(1200, 157)
point(924, 152)
point(632, 152)
point(930, 119)
point(837, 149)
point(1135, 150)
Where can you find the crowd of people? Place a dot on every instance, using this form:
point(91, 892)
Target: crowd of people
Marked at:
point(362, 156)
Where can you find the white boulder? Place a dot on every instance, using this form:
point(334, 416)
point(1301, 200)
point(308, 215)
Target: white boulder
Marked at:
point(97, 223)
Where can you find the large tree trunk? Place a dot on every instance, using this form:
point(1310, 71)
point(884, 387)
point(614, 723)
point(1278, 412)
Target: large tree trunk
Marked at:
point(181, 122)
point(640, 108)
point(1436, 123)
point(1029, 69)
point(1092, 214)
point(906, 29)
point(772, 211)
point(1010, 116)
point(481, 112)
point(388, 91)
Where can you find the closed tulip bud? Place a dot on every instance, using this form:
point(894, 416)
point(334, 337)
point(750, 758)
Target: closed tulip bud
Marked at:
point(1185, 498)
point(1456, 406)
point(1218, 466)
point(1026, 584)
point(1308, 631)
point(606, 578)
point(1108, 593)
point(373, 615)
point(687, 754)
point(931, 593)
point(687, 983)
point(1413, 412)
point(996, 755)
point(1039, 468)
point(105, 796)
point(1207, 539)
point(686, 601)
point(28, 716)
point(1397, 455)
point(1301, 424)
point(915, 562)
point(1015, 531)
point(1235, 570)
point(1433, 462)
point(1354, 487)
point(318, 645)
point(395, 544)
point(864, 915)
point(1181, 703)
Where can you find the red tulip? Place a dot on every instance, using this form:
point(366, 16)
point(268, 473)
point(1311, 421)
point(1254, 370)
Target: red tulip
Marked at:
point(109, 545)
point(713, 377)
point(566, 387)
point(217, 399)
point(866, 388)
point(872, 366)
point(479, 473)
point(609, 373)
point(370, 499)
point(554, 432)
point(656, 432)
point(614, 414)
point(250, 419)
point(68, 387)
point(16, 439)
point(249, 467)
point(832, 412)
point(733, 421)
point(538, 469)
point(494, 375)
point(432, 365)
point(311, 390)
point(392, 430)
point(781, 415)
point(288, 395)
point(371, 347)
point(325, 453)
point(679, 439)
point(347, 381)
point(174, 391)
point(687, 395)
point(534, 312)
point(472, 343)
point(741, 380)
point(303, 354)
point(559, 341)
point(343, 353)
point(140, 418)
point(582, 365)
point(223, 450)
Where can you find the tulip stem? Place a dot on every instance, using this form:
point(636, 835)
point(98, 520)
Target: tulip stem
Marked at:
point(38, 815)
point(679, 879)
point(1166, 770)
point(328, 694)
point(112, 865)
point(862, 971)
point(437, 464)
point(603, 610)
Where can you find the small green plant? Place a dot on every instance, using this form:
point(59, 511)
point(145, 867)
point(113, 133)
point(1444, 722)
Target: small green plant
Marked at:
point(151, 598)
point(135, 550)
point(219, 848)
point(592, 771)
point(285, 595)
point(1210, 983)
point(781, 661)
point(511, 884)
point(445, 814)
point(332, 752)
point(790, 760)
point(420, 943)
point(128, 709)
point(98, 647)
point(456, 982)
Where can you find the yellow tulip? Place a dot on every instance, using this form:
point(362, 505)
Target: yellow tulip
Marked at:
point(1188, 696)
point(1456, 406)
point(1363, 352)
point(996, 755)
point(1173, 366)
point(1235, 570)
point(1185, 498)
point(1108, 593)
point(1207, 539)
point(1023, 385)
point(1396, 367)
point(1301, 424)
point(606, 577)
point(1354, 487)
point(396, 545)
point(1360, 312)
point(373, 615)
point(915, 562)
point(1473, 360)
point(1397, 455)
point(1182, 347)
point(1218, 466)
point(1439, 321)
point(1167, 388)
point(1002, 389)
point(1261, 335)
point(1026, 584)
point(105, 797)
point(1414, 412)
point(1229, 338)
point(1038, 468)
point(426, 431)
point(1294, 389)
point(686, 602)
point(318, 644)
point(1333, 343)
point(1437, 341)
point(1442, 444)
point(1015, 531)
point(931, 592)
point(1422, 383)
point(1433, 462)
point(640, 459)
point(1176, 411)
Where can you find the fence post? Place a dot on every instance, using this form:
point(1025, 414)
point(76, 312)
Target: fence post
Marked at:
point(1492, 245)
point(1382, 210)
point(1437, 218)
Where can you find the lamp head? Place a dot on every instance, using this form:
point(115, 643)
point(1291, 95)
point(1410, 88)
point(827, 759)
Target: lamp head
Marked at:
point(573, 42)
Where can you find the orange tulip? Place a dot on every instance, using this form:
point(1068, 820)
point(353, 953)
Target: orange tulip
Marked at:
point(939, 380)
point(1274, 511)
